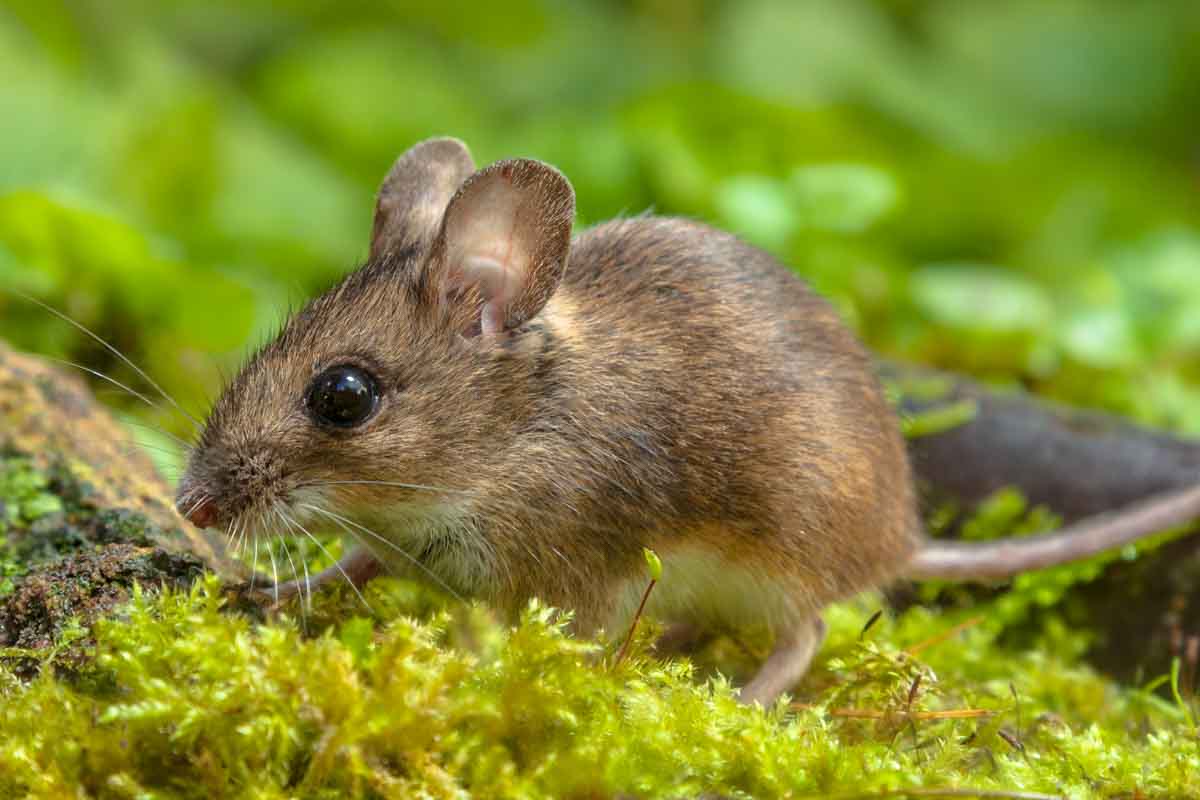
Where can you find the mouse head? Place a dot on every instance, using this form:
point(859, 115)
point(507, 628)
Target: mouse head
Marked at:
point(395, 384)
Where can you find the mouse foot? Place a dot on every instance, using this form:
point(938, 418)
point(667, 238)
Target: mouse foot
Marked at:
point(356, 567)
point(680, 638)
point(794, 651)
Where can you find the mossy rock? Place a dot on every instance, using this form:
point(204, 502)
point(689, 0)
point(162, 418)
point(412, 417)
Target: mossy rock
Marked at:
point(83, 514)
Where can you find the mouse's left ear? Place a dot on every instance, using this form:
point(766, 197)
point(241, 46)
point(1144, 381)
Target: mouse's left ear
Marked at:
point(503, 245)
point(415, 193)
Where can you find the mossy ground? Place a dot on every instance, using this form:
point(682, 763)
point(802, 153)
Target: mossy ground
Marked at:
point(424, 699)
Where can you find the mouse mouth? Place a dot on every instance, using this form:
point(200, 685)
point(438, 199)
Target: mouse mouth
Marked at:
point(275, 537)
point(199, 509)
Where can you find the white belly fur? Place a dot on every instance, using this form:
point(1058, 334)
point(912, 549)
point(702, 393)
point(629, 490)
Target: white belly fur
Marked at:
point(700, 586)
point(461, 557)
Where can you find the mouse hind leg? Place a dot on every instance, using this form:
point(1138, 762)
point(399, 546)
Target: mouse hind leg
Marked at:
point(682, 637)
point(794, 649)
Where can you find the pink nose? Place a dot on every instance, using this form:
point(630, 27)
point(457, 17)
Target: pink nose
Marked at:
point(202, 514)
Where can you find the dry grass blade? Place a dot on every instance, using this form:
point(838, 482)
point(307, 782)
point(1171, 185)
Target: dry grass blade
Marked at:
point(870, 713)
point(943, 636)
point(949, 791)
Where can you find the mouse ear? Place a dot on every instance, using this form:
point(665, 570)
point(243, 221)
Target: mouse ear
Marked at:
point(416, 191)
point(503, 245)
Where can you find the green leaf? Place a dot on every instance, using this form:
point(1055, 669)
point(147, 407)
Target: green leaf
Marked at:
point(843, 198)
point(979, 297)
point(939, 420)
point(758, 208)
point(1101, 337)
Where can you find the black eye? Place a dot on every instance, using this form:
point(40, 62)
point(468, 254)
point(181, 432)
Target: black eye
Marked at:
point(342, 397)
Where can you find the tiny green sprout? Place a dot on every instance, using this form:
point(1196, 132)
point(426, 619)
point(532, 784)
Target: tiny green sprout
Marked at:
point(654, 563)
point(1183, 704)
point(938, 420)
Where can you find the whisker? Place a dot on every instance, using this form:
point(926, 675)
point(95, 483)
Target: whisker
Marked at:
point(343, 522)
point(568, 514)
point(554, 516)
point(243, 531)
point(192, 509)
point(81, 327)
point(295, 577)
point(126, 446)
point(305, 603)
point(336, 564)
point(274, 573)
point(254, 565)
point(307, 580)
point(415, 486)
point(129, 448)
point(179, 440)
point(235, 538)
point(287, 551)
point(97, 373)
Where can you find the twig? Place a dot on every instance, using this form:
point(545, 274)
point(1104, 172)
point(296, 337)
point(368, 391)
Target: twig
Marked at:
point(943, 636)
point(949, 791)
point(998, 794)
point(633, 625)
point(869, 713)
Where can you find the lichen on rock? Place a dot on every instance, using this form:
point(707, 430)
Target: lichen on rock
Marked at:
point(82, 515)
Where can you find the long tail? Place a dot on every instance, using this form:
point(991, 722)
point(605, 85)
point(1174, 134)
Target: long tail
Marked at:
point(984, 561)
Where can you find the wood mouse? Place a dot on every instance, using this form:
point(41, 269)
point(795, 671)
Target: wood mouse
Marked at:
point(518, 423)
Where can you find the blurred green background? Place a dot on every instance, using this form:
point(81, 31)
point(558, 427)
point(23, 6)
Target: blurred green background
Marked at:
point(1008, 189)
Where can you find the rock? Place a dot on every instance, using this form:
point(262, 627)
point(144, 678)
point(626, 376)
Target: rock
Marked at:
point(1077, 463)
point(82, 515)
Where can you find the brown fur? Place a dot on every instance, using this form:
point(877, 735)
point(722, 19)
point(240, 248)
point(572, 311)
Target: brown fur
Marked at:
point(679, 389)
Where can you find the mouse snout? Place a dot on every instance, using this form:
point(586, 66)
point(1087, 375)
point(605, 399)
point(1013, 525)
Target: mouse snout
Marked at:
point(201, 512)
point(224, 483)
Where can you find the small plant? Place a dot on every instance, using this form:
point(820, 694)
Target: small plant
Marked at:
point(654, 564)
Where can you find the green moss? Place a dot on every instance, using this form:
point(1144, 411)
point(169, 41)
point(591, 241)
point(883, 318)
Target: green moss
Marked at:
point(420, 701)
point(44, 516)
point(25, 498)
point(939, 420)
point(66, 561)
point(25, 494)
